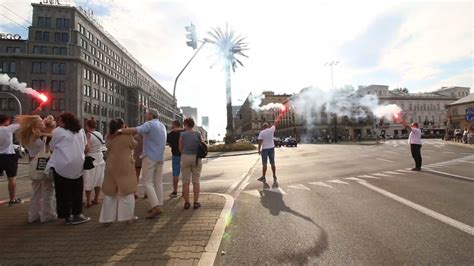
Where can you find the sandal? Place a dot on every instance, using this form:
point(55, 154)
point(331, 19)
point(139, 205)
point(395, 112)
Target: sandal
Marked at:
point(187, 205)
point(197, 205)
point(133, 220)
point(153, 214)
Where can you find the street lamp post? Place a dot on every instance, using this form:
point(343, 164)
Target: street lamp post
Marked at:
point(331, 64)
point(14, 97)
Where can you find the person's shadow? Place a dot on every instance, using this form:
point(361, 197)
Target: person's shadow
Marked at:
point(272, 199)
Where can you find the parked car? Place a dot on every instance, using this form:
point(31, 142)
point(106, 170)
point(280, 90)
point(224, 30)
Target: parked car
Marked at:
point(290, 142)
point(277, 142)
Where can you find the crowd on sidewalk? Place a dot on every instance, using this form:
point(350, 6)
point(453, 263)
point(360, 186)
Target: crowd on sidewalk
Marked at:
point(67, 162)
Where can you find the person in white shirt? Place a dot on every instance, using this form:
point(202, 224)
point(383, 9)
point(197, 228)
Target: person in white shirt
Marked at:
point(8, 157)
point(68, 145)
point(94, 177)
point(266, 148)
point(414, 139)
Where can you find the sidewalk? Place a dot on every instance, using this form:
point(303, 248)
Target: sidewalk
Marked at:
point(177, 237)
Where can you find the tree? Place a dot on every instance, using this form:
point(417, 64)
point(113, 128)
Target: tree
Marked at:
point(401, 90)
point(230, 46)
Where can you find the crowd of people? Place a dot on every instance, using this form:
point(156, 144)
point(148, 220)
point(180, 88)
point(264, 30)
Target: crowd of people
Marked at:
point(68, 162)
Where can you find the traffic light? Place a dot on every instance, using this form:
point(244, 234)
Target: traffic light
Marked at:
point(191, 36)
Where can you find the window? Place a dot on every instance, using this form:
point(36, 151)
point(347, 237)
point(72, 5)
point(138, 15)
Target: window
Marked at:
point(103, 96)
point(44, 50)
point(7, 67)
point(62, 105)
point(61, 37)
point(66, 23)
point(57, 36)
point(47, 22)
point(13, 50)
point(59, 68)
point(111, 113)
point(82, 30)
point(95, 94)
point(103, 111)
point(65, 37)
point(87, 90)
point(59, 23)
point(84, 44)
point(87, 107)
point(40, 21)
point(39, 67)
point(42, 36)
point(95, 78)
point(87, 74)
point(95, 109)
point(58, 86)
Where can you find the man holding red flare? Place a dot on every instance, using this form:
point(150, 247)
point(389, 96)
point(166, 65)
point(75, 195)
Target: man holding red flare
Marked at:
point(414, 140)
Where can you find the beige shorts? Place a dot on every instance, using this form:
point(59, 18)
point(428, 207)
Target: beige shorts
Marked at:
point(189, 167)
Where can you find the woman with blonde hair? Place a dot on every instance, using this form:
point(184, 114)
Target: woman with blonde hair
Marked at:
point(34, 134)
point(120, 182)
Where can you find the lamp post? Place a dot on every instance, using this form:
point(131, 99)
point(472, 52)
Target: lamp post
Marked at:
point(14, 97)
point(331, 64)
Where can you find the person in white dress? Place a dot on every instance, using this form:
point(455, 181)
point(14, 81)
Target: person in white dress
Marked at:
point(94, 177)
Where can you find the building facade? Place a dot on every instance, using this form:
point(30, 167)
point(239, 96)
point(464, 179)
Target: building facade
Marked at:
point(461, 113)
point(429, 110)
point(82, 68)
point(189, 111)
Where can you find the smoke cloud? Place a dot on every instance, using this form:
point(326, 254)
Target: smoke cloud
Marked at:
point(16, 85)
point(256, 101)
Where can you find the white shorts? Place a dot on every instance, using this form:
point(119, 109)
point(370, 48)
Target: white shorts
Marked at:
point(94, 177)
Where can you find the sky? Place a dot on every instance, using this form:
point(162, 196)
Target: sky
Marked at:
point(418, 45)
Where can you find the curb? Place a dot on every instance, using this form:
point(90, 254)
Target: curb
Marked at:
point(210, 252)
point(471, 146)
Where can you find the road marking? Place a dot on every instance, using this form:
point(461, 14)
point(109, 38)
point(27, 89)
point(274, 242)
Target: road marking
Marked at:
point(276, 190)
point(355, 179)
point(378, 174)
point(466, 161)
point(385, 160)
point(428, 151)
point(448, 174)
point(300, 186)
point(438, 216)
point(448, 151)
point(368, 176)
point(393, 173)
point(337, 181)
point(404, 171)
point(254, 193)
point(322, 184)
point(465, 153)
point(391, 152)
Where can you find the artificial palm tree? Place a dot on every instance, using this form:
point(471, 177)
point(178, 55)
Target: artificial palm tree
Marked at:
point(230, 46)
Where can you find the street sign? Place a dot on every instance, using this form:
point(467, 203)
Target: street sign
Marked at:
point(470, 117)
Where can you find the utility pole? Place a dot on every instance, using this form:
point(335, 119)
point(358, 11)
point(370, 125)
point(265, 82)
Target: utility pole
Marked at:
point(331, 64)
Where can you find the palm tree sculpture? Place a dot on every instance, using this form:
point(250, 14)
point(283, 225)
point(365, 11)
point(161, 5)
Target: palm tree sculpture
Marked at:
point(229, 47)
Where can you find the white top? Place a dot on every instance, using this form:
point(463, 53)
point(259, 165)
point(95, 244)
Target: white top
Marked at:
point(266, 136)
point(6, 138)
point(68, 153)
point(35, 147)
point(95, 148)
point(415, 136)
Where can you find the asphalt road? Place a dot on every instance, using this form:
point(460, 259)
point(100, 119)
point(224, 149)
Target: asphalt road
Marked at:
point(352, 204)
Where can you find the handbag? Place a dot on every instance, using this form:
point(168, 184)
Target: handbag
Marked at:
point(38, 164)
point(202, 148)
point(88, 160)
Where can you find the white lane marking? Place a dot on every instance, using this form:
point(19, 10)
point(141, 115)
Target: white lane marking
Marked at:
point(378, 174)
point(322, 184)
point(438, 216)
point(404, 171)
point(355, 179)
point(448, 174)
point(466, 153)
point(254, 193)
point(393, 173)
point(368, 176)
point(466, 161)
point(300, 186)
point(337, 181)
point(439, 147)
point(448, 151)
point(385, 160)
point(277, 190)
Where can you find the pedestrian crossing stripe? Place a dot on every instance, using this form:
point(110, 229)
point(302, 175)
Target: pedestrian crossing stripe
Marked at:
point(300, 186)
point(337, 181)
point(368, 176)
point(378, 174)
point(355, 179)
point(322, 184)
point(393, 173)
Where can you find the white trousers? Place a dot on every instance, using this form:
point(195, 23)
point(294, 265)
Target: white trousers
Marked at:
point(43, 202)
point(152, 178)
point(117, 208)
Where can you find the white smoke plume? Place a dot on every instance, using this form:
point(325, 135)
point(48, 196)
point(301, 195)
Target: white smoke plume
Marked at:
point(256, 101)
point(16, 85)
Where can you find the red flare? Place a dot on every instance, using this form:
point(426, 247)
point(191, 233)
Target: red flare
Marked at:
point(43, 97)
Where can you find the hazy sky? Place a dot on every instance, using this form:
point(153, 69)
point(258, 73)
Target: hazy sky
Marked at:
point(413, 44)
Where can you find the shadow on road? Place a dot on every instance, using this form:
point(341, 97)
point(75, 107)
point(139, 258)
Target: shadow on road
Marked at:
point(272, 199)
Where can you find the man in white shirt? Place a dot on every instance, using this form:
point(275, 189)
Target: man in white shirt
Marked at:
point(266, 148)
point(414, 140)
point(8, 157)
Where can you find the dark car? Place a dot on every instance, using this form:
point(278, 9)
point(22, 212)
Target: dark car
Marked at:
point(277, 142)
point(290, 142)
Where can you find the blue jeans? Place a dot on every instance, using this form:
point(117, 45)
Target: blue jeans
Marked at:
point(270, 154)
point(176, 165)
